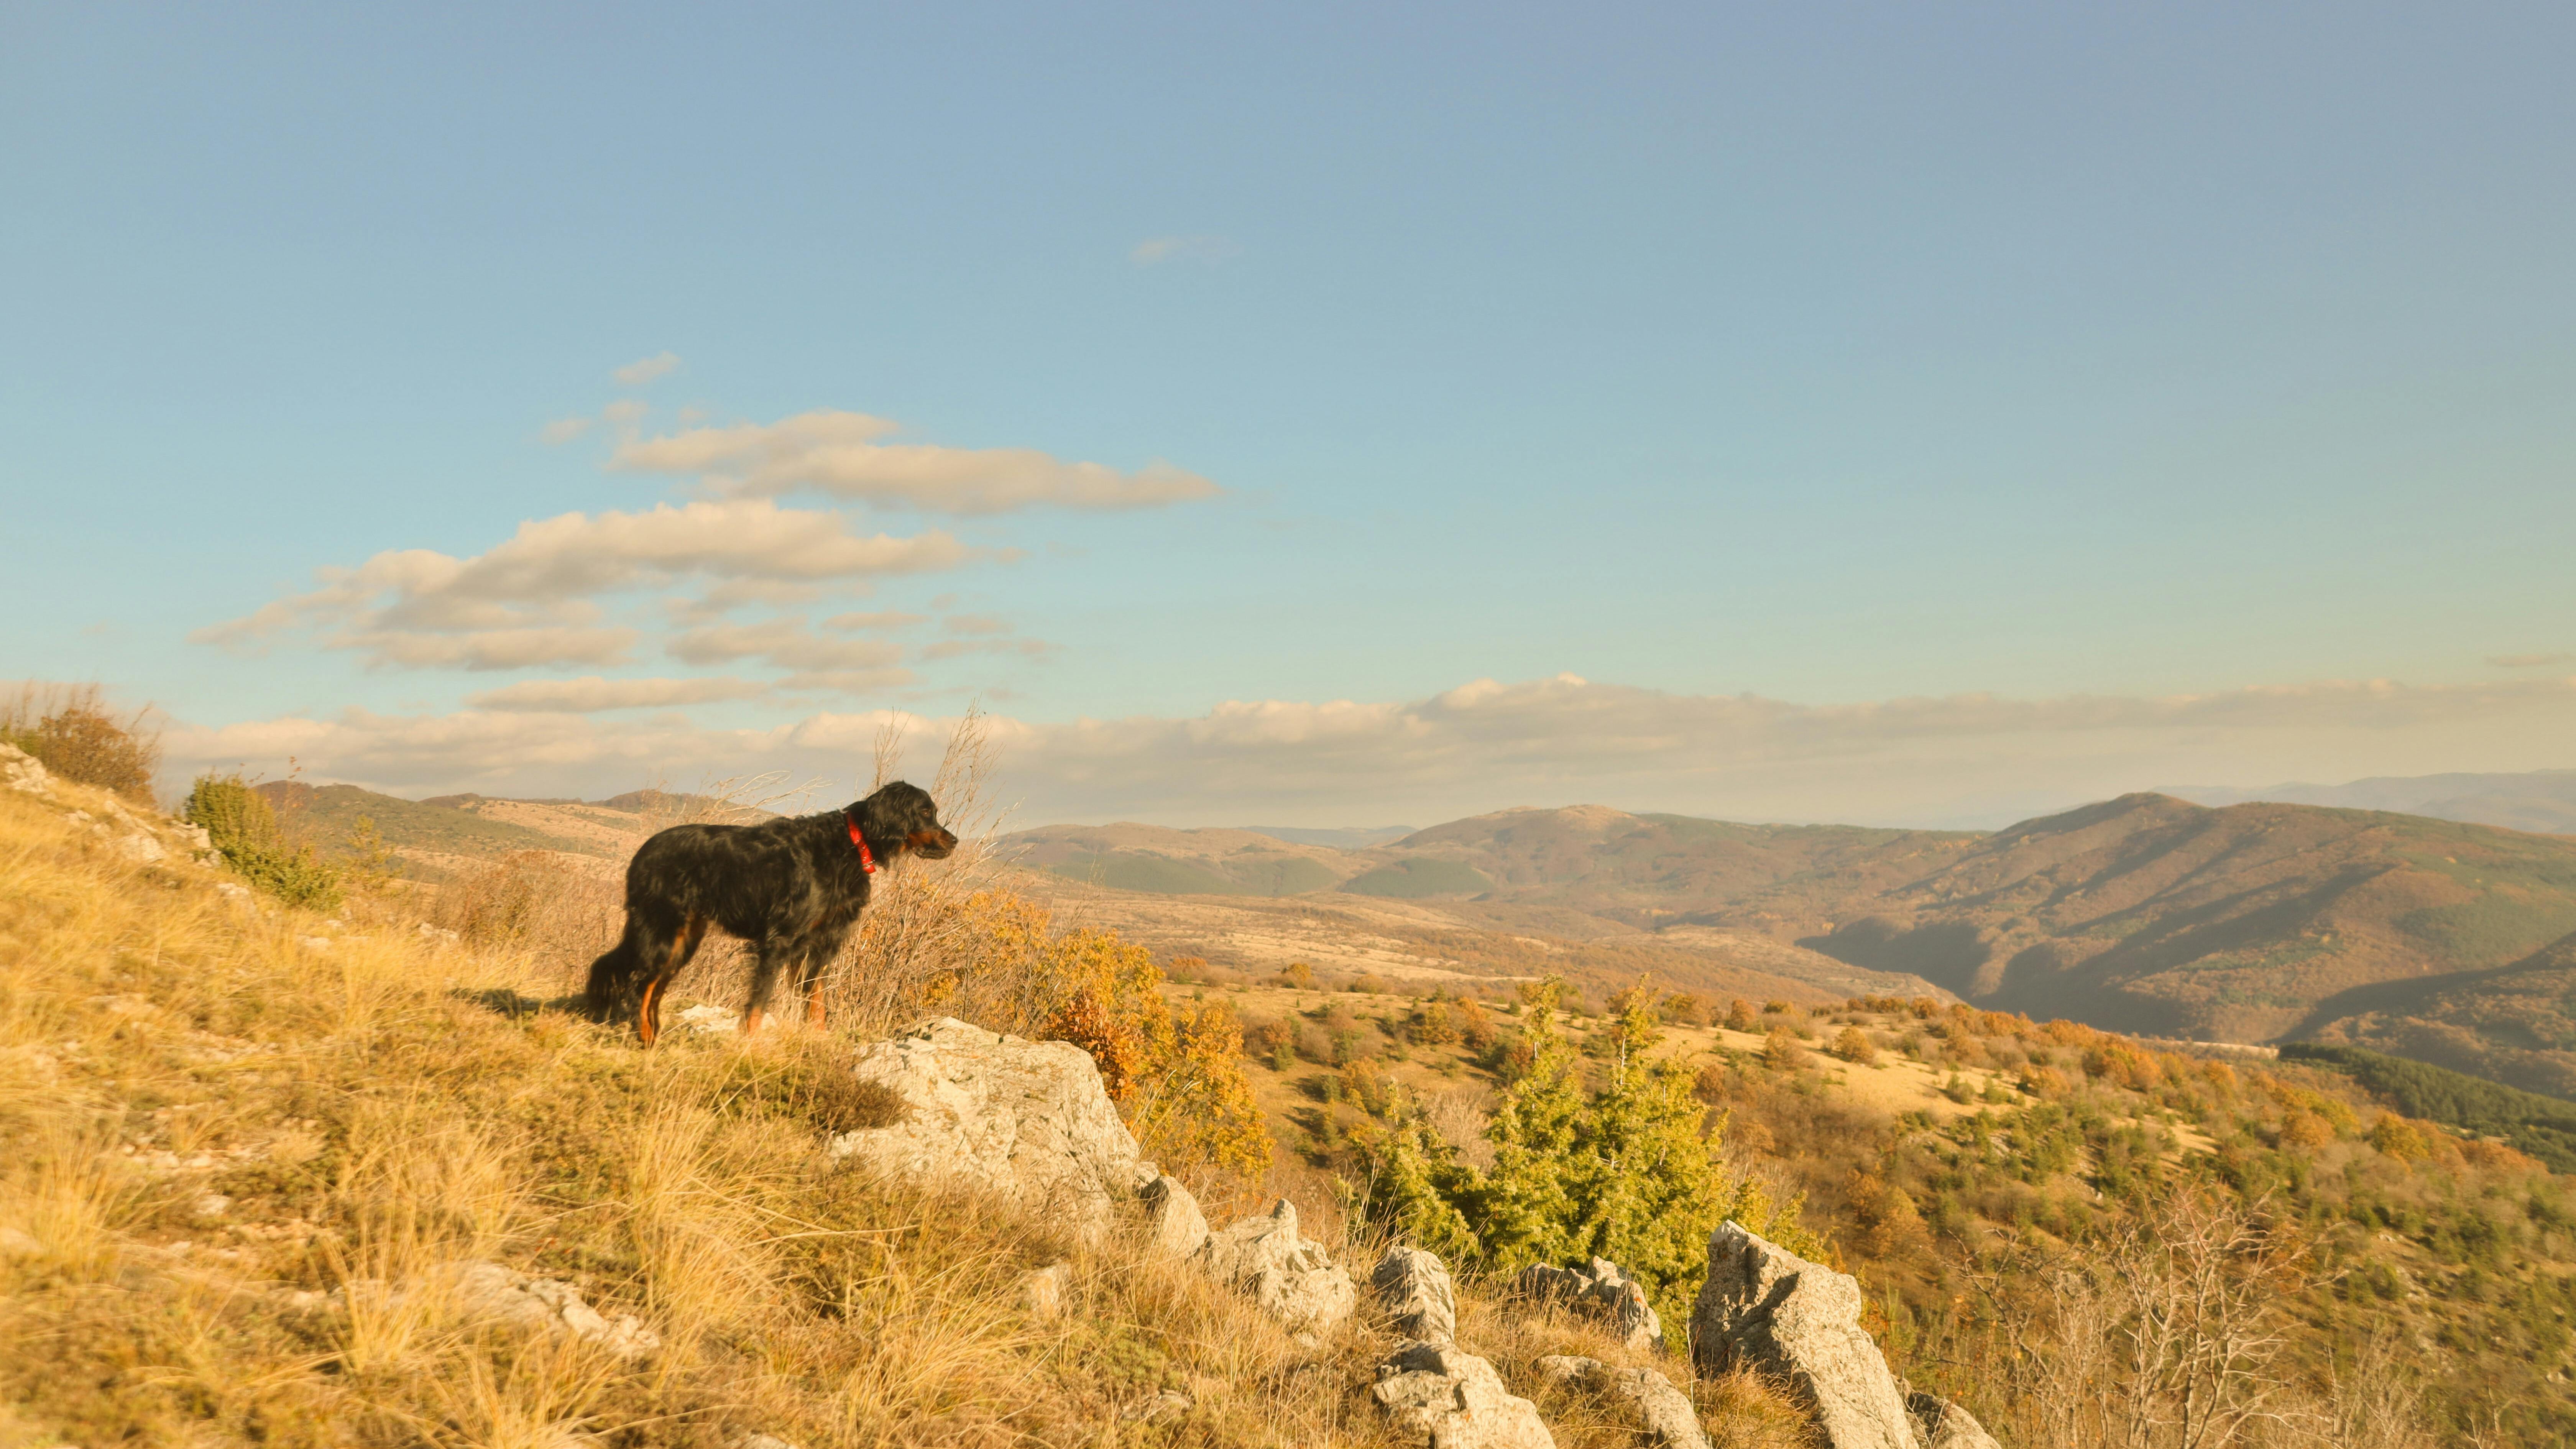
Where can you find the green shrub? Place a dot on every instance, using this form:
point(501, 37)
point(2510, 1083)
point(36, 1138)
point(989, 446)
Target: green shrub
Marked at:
point(243, 828)
point(1626, 1172)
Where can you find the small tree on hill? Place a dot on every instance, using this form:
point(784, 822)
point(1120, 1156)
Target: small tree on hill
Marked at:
point(238, 821)
point(1628, 1172)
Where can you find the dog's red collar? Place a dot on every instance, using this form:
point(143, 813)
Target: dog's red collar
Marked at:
point(867, 859)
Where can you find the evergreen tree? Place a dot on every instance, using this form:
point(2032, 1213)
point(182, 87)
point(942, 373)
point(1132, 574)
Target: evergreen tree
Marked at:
point(1628, 1173)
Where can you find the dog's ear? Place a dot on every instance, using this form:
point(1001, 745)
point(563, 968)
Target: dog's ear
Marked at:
point(875, 819)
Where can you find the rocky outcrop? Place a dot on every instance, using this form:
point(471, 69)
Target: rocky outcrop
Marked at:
point(1598, 1291)
point(1413, 1287)
point(1648, 1400)
point(1943, 1424)
point(1287, 1277)
point(1766, 1308)
point(501, 1294)
point(1028, 1121)
point(1174, 1226)
point(1437, 1395)
point(141, 839)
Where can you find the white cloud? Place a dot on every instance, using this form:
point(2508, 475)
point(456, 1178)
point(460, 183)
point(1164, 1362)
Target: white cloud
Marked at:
point(1486, 746)
point(845, 681)
point(724, 598)
point(1154, 251)
point(485, 649)
point(880, 619)
point(959, 648)
point(645, 369)
point(591, 694)
point(785, 642)
point(563, 430)
point(542, 576)
point(975, 624)
point(841, 454)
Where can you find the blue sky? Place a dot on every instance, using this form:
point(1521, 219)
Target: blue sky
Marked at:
point(2146, 360)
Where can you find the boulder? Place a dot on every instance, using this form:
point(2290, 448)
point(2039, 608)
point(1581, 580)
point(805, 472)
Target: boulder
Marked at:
point(1599, 1291)
point(1439, 1396)
point(1659, 1411)
point(1768, 1309)
point(1289, 1278)
point(23, 772)
point(1028, 1121)
point(1174, 1226)
point(506, 1295)
point(1413, 1287)
point(1043, 1291)
point(1944, 1424)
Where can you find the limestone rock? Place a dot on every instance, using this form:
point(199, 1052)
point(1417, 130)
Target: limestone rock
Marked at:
point(1043, 1290)
point(1661, 1412)
point(1413, 1287)
point(709, 1019)
point(22, 772)
point(489, 1290)
point(1026, 1120)
point(1454, 1400)
point(1944, 1424)
point(1767, 1308)
point(1174, 1226)
point(1289, 1278)
point(1597, 1291)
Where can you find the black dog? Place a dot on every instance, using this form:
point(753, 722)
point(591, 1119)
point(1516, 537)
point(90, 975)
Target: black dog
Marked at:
point(792, 888)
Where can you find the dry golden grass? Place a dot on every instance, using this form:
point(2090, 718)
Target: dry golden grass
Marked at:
point(243, 1144)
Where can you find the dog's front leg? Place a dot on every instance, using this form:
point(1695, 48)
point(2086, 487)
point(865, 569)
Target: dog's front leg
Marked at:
point(769, 956)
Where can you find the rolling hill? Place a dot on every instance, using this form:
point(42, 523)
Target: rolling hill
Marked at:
point(1160, 861)
point(328, 816)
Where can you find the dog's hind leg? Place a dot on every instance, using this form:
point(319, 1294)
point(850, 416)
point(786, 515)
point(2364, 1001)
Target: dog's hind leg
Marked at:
point(672, 954)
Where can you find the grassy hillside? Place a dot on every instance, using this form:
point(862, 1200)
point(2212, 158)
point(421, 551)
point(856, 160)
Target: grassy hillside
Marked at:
point(1997, 1181)
point(246, 1158)
point(328, 816)
point(246, 1161)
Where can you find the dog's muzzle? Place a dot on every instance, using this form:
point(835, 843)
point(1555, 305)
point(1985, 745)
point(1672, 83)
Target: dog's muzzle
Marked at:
point(931, 844)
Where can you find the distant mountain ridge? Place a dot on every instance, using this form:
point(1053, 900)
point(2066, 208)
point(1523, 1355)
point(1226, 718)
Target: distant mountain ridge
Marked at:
point(1346, 838)
point(2537, 800)
point(2439, 940)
